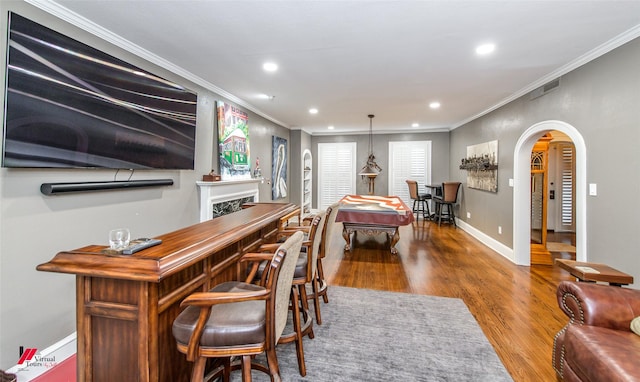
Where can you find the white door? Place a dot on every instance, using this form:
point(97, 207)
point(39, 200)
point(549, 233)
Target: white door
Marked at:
point(409, 160)
point(336, 172)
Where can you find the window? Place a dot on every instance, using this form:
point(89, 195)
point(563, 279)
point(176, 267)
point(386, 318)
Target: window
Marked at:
point(336, 172)
point(409, 160)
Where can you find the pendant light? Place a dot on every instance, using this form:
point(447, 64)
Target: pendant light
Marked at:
point(371, 168)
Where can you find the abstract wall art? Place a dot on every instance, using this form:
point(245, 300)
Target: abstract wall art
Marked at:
point(279, 168)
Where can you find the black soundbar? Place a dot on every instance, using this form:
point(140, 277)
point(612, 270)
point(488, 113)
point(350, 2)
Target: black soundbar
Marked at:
point(60, 188)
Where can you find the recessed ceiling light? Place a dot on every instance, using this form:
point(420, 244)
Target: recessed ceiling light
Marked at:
point(266, 96)
point(270, 66)
point(434, 105)
point(415, 125)
point(330, 127)
point(313, 110)
point(485, 49)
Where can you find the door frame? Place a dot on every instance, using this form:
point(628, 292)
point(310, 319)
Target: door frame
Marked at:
point(522, 187)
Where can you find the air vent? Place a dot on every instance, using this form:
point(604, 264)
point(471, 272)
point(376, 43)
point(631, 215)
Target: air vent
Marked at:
point(546, 88)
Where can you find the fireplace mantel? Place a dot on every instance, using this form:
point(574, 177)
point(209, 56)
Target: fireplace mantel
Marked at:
point(223, 191)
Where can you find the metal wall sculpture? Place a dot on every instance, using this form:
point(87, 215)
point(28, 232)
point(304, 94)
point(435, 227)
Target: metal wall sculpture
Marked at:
point(481, 164)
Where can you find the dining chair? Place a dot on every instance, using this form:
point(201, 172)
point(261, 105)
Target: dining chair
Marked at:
point(420, 201)
point(445, 203)
point(240, 319)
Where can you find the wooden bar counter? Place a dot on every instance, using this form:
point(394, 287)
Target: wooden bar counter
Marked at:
point(126, 304)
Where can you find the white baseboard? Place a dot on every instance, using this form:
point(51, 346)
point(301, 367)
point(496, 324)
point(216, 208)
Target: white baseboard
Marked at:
point(487, 240)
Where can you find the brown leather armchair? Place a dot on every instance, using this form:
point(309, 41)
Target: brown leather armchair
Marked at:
point(597, 344)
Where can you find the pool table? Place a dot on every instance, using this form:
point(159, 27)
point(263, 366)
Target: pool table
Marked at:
point(371, 215)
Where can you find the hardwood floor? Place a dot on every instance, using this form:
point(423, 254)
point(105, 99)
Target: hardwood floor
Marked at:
point(515, 305)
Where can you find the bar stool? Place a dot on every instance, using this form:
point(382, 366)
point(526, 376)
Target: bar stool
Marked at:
point(446, 201)
point(420, 201)
point(240, 319)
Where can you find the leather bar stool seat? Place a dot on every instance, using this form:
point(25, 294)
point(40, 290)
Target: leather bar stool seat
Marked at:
point(300, 270)
point(229, 324)
point(301, 265)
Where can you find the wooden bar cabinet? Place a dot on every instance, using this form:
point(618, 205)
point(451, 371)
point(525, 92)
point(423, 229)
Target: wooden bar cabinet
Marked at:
point(126, 304)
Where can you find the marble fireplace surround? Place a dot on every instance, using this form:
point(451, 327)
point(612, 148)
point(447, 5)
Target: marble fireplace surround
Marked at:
point(212, 193)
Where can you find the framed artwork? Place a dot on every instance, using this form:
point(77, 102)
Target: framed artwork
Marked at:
point(481, 164)
point(279, 155)
point(233, 142)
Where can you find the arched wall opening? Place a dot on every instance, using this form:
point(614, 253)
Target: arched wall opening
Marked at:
point(522, 189)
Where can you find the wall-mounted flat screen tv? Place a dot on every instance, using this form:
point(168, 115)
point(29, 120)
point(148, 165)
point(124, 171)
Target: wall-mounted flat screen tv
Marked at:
point(72, 106)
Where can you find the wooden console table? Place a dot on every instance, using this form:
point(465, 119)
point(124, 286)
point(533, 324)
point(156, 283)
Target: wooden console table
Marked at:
point(125, 305)
point(592, 272)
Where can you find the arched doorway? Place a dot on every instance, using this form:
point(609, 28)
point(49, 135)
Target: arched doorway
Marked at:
point(521, 189)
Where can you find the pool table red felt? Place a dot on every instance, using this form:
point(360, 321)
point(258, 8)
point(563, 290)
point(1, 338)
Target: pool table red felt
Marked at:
point(376, 210)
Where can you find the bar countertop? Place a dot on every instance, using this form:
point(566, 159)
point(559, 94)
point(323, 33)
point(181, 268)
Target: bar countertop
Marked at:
point(178, 249)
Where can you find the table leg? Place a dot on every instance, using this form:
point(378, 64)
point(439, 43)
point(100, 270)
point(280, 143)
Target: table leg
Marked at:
point(394, 240)
point(393, 233)
point(347, 237)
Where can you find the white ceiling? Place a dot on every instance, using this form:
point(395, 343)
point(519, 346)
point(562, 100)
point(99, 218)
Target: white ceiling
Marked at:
point(353, 58)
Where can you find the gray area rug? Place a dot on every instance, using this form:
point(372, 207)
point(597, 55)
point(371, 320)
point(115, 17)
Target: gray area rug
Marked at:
point(370, 335)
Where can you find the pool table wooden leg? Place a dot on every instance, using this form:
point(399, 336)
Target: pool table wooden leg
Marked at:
point(347, 237)
point(394, 240)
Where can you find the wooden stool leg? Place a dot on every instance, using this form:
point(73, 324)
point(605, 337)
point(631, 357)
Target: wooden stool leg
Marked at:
point(297, 327)
point(316, 300)
point(246, 368)
point(197, 374)
point(308, 321)
point(323, 283)
point(453, 216)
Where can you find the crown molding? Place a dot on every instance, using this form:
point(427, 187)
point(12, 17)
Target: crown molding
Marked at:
point(89, 26)
point(601, 50)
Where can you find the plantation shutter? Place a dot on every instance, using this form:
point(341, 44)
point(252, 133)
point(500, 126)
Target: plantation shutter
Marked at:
point(409, 160)
point(336, 172)
point(567, 188)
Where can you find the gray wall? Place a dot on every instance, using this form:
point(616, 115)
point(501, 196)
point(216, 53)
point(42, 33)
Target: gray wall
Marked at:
point(38, 308)
point(439, 156)
point(601, 100)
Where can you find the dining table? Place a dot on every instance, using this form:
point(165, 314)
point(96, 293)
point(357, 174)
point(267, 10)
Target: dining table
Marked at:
point(434, 189)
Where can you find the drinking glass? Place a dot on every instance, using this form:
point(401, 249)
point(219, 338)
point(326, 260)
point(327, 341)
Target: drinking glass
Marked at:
point(119, 238)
